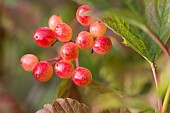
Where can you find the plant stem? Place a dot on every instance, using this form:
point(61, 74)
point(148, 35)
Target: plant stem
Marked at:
point(54, 59)
point(153, 66)
point(51, 60)
point(155, 74)
point(58, 58)
point(77, 62)
point(166, 100)
point(167, 53)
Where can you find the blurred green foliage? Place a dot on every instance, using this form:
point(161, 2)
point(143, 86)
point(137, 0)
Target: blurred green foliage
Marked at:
point(122, 70)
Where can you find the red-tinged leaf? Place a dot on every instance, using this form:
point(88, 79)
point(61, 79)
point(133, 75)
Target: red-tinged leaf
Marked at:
point(67, 105)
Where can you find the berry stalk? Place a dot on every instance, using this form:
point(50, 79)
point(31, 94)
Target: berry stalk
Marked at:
point(54, 59)
point(77, 62)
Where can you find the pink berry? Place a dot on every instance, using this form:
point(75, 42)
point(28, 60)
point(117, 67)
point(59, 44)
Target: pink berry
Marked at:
point(69, 51)
point(43, 71)
point(64, 69)
point(97, 29)
point(84, 40)
point(82, 76)
point(44, 37)
point(83, 20)
point(63, 32)
point(28, 62)
point(102, 45)
point(53, 21)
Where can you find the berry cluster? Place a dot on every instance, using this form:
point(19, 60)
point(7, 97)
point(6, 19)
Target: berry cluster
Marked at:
point(60, 31)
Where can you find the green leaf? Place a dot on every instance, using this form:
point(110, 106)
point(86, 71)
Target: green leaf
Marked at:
point(101, 89)
point(157, 14)
point(68, 89)
point(67, 105)
point(62, 89)
point(131, 35)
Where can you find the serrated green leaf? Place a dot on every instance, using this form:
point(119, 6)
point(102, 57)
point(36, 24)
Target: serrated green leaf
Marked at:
point(131, 34)
point(157, 18)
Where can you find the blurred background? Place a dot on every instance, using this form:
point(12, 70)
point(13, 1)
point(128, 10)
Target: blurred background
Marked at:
point(122, 69)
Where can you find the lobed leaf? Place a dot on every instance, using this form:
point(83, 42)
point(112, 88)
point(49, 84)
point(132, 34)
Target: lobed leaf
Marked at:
point(67, 105)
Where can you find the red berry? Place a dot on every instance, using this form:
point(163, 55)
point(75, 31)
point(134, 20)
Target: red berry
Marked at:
point(44, 37)
point(97, 29)
point(102, 45)
point(84, 40)
point(64, 69)
point(82, 76)
point(69, 51)
point(43, 71)
point(28, 62)
point(83, 20)
point(53, 21)
point(63, 32)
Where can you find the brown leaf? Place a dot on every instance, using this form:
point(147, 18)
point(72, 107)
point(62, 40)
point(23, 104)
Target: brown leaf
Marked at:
point(67, 105)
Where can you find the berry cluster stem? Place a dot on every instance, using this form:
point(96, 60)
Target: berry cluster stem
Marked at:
point(54, 59)
point(77, 62)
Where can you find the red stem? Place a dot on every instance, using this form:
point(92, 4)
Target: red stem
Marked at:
point(54, 59)
point(77, 62)
point(155, 74)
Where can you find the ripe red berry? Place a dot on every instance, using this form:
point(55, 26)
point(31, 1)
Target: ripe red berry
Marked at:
point(97, 29)
point(63, 32)
point(28, 62)
point(64, 69)
point(83, 20)
point(43, 71)
point(69, 51)
point(44, 37)
point(53, 21)
point(102, 45)
point(82, 76)
point(84, 40)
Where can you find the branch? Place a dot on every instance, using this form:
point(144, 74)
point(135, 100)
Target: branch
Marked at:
point(166, 52)
point(155, 75)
